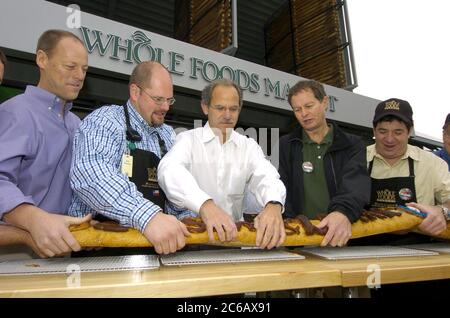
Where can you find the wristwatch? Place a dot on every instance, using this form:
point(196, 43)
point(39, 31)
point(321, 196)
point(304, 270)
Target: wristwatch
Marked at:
point(446, 212)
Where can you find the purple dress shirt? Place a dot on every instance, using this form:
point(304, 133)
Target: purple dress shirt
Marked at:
point(36, 151)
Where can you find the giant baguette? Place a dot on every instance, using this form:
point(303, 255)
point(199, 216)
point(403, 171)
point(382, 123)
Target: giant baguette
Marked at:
point(300, 231)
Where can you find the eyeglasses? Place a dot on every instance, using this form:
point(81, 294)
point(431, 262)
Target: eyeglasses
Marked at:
point(158, 99)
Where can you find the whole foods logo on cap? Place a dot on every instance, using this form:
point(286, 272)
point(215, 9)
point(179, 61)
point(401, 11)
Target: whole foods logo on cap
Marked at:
point(392, 105)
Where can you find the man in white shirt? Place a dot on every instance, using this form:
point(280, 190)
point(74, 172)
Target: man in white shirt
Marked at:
point(208, 169)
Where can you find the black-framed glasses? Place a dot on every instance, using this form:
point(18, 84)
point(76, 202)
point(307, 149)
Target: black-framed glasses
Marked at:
point(159, 100)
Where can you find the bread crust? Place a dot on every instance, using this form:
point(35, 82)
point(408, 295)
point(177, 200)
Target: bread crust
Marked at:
point(298, 232)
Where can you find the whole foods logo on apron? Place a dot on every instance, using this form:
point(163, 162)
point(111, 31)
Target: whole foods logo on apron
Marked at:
point(152, 180)
point(386, 196)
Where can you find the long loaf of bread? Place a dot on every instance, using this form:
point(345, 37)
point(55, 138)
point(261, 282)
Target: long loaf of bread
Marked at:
point(299, 231)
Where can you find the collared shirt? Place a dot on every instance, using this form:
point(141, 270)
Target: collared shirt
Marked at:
point(96, 177)
point(35, 151)
point(199, 168)
point(316, 196)
point(443, 154)
point(432, 178)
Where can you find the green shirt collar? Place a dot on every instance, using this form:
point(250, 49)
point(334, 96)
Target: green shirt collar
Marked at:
point(327, 140)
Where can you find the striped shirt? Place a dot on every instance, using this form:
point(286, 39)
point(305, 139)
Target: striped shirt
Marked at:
point(96, 178)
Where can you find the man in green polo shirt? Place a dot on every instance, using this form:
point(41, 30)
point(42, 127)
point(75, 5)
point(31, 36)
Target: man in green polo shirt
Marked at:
point(315, 184)
point(323, 168)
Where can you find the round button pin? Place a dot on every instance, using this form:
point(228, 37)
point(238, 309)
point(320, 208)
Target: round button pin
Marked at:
point(307, 167)
point(405, 194)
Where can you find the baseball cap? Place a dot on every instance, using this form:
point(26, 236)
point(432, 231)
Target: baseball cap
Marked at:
point(395, 107)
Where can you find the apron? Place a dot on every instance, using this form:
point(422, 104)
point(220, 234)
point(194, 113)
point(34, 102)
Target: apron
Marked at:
point(388, 193)
point(391, 192)
point(145, 164)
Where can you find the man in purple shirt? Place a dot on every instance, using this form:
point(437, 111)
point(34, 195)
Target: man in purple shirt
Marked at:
point(36, 133)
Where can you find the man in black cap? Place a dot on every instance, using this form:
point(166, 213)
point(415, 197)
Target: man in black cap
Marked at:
point(444, 153)
point(404, 174)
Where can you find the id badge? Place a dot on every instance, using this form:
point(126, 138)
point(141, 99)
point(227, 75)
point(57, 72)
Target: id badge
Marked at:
point(127, 165)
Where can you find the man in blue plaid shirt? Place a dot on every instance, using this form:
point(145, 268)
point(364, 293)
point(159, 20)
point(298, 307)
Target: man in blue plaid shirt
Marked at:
point(117, 149)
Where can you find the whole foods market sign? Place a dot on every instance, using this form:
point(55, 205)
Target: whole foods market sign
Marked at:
point(139, 47)
point(117, 47)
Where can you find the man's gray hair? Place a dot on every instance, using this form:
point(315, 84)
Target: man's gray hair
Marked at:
point(209, 89)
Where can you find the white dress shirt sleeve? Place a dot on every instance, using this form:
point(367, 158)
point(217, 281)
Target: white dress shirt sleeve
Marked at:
point(264, 183)
point(175, 178)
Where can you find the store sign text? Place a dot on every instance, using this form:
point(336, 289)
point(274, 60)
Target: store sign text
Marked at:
point(139, 48)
